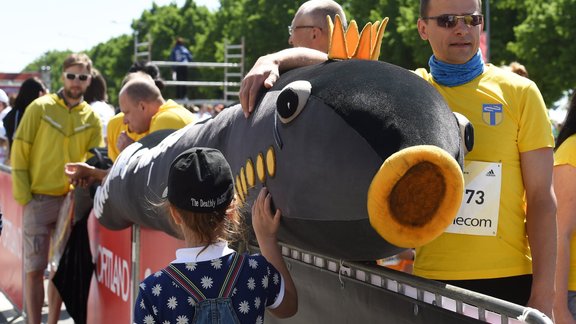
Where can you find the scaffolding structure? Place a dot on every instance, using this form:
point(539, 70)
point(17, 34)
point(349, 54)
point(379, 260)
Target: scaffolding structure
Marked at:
point(233, 70)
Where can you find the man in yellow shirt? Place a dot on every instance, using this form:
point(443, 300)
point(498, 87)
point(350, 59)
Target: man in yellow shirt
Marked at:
point(503, 242)
point(144, 111)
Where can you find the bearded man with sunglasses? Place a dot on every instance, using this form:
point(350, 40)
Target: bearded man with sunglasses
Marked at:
point(55, 129)
point(503, 241)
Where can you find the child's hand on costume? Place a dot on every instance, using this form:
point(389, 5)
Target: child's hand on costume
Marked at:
point(266, 227)
point(265, 224)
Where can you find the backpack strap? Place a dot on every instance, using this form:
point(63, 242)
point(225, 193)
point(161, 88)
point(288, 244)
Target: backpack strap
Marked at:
point(184, 282)
point(232, 275)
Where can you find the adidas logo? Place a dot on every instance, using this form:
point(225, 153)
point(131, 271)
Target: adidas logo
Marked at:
point(490, 173)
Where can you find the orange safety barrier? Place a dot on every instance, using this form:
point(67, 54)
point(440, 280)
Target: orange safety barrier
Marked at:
point(115, 283)
point(12, 275)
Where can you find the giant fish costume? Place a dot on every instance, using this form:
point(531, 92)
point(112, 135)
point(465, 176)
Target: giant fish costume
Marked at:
point(363, 158)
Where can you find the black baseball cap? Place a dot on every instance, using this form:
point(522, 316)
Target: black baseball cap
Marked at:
point(200, 180)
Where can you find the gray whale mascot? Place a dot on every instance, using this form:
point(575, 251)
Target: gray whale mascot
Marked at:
point(363, 158)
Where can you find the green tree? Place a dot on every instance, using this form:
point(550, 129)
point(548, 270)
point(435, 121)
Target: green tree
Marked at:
point(113, 59)
point(545, 44)
point(401, 44)
point(262, 23)
point(536, 33)
point(503, 15)
point(54, 60)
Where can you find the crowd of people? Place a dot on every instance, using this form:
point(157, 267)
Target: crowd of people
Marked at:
point(521, 261)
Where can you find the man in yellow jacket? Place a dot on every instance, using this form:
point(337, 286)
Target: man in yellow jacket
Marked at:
point(55, 129)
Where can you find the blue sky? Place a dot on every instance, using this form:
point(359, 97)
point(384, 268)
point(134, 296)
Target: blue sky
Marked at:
point(29, 28)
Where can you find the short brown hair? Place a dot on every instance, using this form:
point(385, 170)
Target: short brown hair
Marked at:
point(518, 69)
point(78, 59)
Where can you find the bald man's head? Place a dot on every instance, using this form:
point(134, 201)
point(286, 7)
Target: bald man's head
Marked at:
point(141, 88)
point(140, 99)
point(309, 26)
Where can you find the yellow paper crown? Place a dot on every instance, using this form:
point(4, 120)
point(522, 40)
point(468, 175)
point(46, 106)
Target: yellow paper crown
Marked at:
point(364, 46)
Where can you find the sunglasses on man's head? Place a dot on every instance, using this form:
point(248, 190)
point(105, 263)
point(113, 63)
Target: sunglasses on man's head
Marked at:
point(450, 21)
point(73, 76)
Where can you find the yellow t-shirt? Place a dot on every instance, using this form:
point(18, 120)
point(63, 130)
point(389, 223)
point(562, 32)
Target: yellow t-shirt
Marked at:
point(169, 116)
point(115, 127)
point(509, 117)
point(566, 154)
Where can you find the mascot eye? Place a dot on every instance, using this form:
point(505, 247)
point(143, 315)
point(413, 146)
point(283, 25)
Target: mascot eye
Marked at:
point(292, 100)
point(466, 133)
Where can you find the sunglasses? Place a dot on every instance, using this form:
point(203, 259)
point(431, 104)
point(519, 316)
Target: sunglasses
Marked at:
point(292, 29)
point(73, 76)
point(450, 21)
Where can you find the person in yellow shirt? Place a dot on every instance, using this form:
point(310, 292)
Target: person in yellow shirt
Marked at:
point(565, 189)
point(502, 244)
point(144, 111)
point(55, 129)
point(119, 136)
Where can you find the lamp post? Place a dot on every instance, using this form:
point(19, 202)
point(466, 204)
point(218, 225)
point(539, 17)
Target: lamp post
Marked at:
point(487, 24)
point(45, 76)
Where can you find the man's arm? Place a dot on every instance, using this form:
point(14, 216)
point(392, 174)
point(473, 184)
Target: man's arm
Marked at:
point(266, 71)
point(565, 189)
point(189, 56)
point(84, 175)
point(540, 225)
point(20, 163)
point(20, 154)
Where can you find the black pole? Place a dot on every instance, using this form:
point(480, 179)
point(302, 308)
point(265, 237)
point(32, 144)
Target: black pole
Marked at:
point(487, 23)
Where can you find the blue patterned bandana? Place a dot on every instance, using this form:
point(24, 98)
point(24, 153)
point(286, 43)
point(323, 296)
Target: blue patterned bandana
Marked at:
point(452, 75)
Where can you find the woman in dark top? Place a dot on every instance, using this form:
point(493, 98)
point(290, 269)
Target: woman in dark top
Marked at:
point(30, 89)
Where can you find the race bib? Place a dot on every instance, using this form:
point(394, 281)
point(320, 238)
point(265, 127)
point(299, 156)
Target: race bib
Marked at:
point(478, 214)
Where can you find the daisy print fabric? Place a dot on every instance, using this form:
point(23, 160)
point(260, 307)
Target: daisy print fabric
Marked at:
point(161, 300)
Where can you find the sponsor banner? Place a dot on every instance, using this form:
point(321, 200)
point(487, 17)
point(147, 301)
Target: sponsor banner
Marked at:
point(157, 250)
point(110, 298)
point(11, 262)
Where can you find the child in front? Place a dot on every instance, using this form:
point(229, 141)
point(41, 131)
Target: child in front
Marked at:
point(209, 282)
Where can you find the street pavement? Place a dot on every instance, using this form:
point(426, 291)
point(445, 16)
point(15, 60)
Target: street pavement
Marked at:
point(9, 315)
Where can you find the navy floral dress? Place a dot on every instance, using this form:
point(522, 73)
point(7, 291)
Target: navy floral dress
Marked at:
point(258, 285)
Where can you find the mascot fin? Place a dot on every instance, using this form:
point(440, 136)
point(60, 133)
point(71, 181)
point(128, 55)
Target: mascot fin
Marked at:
point(350, 44)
